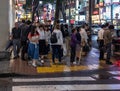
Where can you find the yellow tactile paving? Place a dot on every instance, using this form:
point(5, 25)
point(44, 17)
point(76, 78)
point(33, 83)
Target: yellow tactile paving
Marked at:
point(64, 68)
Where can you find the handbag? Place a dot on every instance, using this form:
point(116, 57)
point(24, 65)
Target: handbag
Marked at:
point(86, 48)
point(5, 55)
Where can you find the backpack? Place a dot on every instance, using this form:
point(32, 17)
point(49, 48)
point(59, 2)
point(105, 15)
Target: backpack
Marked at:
point(53, 38)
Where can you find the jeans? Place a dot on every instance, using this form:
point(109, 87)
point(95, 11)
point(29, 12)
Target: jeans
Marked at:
point(56, 51)
point(16, 47)
point(33, 51)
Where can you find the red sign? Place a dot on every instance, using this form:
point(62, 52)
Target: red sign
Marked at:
point(95, 12)
point(72, 21)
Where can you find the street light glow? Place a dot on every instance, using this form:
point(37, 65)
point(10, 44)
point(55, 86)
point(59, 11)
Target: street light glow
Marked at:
point(40, 2)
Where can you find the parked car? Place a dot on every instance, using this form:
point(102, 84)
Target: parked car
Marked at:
point(95, 29)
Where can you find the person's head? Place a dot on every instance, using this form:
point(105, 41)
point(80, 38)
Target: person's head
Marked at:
point(74, 31)
point(23, 21)
point(107, 24)
point(41, 26)
point(57, 26)
point(16, 24)
point(78, 29)
point(46, 27)
point(66, 26)
point(103, 26)
point(86, 26)
point(28, 22)
point(33, 30)
point(111, 27)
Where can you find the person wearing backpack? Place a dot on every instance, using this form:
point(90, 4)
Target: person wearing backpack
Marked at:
point(57, 46)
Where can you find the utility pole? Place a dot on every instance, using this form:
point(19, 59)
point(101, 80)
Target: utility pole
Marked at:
point(69, 16)
point(90, 13)
point(111, 11)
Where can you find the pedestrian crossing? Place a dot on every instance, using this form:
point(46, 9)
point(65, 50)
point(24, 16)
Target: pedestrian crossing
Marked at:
point(93, 87)
point(67, 83)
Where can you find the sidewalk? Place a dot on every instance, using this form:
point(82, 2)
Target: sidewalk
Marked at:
point(19, 67)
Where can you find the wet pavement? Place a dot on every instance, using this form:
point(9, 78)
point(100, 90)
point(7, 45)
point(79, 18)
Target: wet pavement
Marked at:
point(90, 75)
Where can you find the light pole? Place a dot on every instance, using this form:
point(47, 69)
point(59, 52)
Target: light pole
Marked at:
point(90, 13)
point(39, 9)
point(69, 15)
point(111, 11)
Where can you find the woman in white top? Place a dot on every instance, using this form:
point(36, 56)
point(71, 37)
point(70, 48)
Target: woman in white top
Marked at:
point(47, 37)
point(57, 47)
point(42, 41)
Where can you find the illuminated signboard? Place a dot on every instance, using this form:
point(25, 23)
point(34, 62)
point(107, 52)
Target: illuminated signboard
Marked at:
point(21, 1)
point(116, 1)
point(107, 2)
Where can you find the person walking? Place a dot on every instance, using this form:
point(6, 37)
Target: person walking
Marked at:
point(16, 34)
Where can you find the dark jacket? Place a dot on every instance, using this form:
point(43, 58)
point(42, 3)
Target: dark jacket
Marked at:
point(78, 36)
point(16, 33)
point(74, 40)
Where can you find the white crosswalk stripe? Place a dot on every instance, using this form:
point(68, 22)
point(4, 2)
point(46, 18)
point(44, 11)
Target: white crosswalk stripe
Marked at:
point(87, 86)
point(68, 87)
point(54, 79)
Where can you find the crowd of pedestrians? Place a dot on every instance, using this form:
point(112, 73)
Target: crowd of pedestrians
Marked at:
point(33, 41)
point(105, 40)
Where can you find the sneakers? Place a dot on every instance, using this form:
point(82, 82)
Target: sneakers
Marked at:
point(42, 61)
point(74, 62)
point(34, 65)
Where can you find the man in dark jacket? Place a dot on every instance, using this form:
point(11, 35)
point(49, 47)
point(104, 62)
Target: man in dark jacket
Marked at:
point(16, 34)
point(24, 39)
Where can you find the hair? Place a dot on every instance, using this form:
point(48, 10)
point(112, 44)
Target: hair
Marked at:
point(103, 26)
point(28, 22)
point(107, 24)
point(86, 24)
point(78, 29)
point(111, 27)
point(33, 30)
point(41, 26)
point(23, 21)
point(73, 30)
point(57, 26)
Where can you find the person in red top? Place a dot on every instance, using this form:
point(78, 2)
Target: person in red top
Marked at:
point(33, 47)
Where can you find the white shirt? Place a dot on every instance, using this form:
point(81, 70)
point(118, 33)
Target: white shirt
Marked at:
point(59, 37)
point(100, 34)
point(47, 36)
point(42, 34)
point(83, 34)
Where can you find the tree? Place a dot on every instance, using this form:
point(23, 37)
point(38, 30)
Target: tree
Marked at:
point(60, 7)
